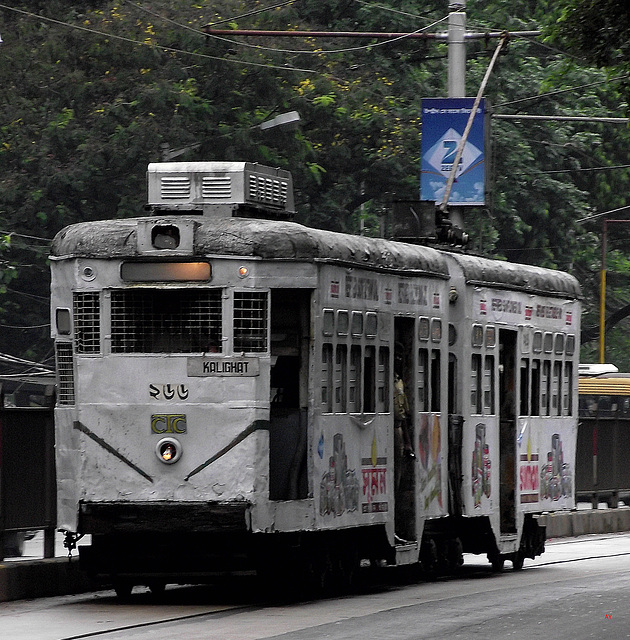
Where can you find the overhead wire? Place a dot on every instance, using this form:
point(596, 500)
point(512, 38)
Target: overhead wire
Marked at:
point(22, 235)
point(371, 5)
point(9, 359)
point(154, 45)
point(252, 13)
point(30, 326)
point(317, 52)
point(576, 169)
point(547, 94)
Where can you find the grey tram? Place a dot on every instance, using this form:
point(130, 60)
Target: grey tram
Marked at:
point(228, 383)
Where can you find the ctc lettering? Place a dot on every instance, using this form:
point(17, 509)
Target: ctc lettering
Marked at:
point(168, 423)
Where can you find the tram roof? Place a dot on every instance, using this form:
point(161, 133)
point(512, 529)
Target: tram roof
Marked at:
point(281, 240)
point(508, 275)
point(267, 239)
point(614, 384)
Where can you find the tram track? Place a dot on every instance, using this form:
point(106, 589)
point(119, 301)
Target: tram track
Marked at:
point(371, 583)
point(103, 633)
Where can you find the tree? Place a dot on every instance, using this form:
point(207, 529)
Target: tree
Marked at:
point(87, 105)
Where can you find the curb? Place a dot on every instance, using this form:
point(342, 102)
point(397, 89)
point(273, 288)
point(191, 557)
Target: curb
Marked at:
point(580, 523)
point(42, 578)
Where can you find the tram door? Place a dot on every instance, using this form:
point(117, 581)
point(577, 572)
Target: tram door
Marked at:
point(290, 326)
point(507, 428)
point(404, 412)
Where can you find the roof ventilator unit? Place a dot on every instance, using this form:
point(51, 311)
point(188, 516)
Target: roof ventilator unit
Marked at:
point(220, 189)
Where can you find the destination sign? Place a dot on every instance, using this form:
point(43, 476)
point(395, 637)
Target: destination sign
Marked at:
point(223, 367)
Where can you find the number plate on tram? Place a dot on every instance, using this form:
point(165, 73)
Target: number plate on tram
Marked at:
point(234, 367)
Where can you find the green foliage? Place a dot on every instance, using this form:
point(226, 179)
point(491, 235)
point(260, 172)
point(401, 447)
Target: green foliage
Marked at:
point(83, 113)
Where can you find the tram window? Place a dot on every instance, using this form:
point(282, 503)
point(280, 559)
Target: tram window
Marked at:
point(341, 361)
point(250, 321)
point(545, 386)
point(65, 373)
point(328, 322)
point(537, 345)
point(357, 323)
point(570, 345)
point(423, 379)
point(525, 340)
point(604, 405)
point(165, 271)
point(369, 380)
point(488, 386)
point(567, 390)
point(436, 330)
point(452, 334)
point(556, 391)
point(477, 335)
point(548, 343)
point(475, 383)
point(435, 380)
point(371, 324)
point(167, 321)
point(524, 382)
point(491, 337)
point(559, 344)
point(453, 398)
point(327, 378)
point(62, 319)
point(342, 323)
point(354, 380)
point(382, 381)
point(423, 329)
point(535, 388)
point(87, 322)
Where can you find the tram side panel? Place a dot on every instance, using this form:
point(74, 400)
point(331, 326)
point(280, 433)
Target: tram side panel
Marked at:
point(358, 338)
point(520, 434)
point(514, 362)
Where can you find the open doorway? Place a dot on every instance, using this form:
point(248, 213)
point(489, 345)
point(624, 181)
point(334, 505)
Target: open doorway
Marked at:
point(290, 322)
point(507, 428)
point(404, 412)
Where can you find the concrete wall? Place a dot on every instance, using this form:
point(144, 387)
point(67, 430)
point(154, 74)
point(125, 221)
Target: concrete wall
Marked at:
point(579, 523)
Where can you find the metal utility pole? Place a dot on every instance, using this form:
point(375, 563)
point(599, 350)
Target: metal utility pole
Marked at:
point(457, 49)
point(456, 38)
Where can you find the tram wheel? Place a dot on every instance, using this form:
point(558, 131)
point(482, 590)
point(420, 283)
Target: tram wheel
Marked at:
point(497, 561)
point(319, 573)
point(123, 590)
point(518, 559)
point(157, 587)
point(346, 564)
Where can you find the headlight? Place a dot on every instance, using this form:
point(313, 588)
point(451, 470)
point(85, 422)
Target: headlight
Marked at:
point(168, 450)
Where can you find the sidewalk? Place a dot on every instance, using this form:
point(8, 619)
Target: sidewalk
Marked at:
point(33, 576)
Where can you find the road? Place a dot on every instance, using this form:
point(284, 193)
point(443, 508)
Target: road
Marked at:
point(579, 589)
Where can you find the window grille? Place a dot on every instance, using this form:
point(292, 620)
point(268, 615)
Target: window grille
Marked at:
point(65, 373)
point(166, 321)
point(87, 322)
point(250, 321)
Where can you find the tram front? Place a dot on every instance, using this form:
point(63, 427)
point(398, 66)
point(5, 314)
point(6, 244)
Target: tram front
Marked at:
point(162, 336)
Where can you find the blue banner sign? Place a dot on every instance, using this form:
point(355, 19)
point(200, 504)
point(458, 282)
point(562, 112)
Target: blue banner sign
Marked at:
point(443, 123)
